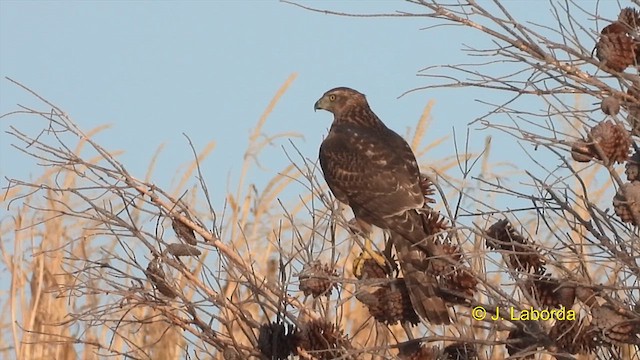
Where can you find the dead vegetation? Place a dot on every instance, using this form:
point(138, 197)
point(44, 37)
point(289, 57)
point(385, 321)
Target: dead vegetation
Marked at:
point(103, 263)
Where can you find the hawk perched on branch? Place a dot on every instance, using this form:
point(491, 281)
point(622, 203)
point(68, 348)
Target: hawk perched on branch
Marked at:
point(373, 170)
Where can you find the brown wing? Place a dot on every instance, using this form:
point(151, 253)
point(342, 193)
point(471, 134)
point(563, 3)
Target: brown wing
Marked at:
point(374, 171)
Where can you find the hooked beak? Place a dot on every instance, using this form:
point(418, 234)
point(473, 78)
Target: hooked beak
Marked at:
point(318, 105)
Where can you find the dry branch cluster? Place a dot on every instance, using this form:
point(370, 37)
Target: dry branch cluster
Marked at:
point(606, 328)
point(609, 141)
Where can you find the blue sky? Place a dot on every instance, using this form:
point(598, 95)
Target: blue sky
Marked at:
point(155, 70)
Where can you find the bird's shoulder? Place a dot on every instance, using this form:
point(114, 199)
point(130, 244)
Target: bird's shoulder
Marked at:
point(380, 137)
point(353, 135)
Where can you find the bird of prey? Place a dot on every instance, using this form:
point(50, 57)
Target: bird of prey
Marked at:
point(372, 169)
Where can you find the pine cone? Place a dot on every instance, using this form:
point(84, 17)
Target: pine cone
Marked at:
point(522, 255)
point(630, 18)
point(610, 105)
point(581, 151)
point(460, 351)
point(433, 222)
point(184, 232)
point(440, 267)
point(526, 258)
point(458, 287)
point(632, 167)
point(613, 139)
point(158, 278)
point(183, 250)
point(371, 269)
point(519, 342)
point(413, 350)
point(626, 202)
point(390, 303)
point(277, 341)
point(573, 336)
point(550, 292)
point(502, 236)
point(428, 190)
point(323, 340)
point(451, 251)
point(316, 279)
point(616, 49)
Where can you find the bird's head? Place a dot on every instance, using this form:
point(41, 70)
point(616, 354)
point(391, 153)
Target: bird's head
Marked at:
point(337, 101)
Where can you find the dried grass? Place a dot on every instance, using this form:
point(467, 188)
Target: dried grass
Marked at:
point(78, 240)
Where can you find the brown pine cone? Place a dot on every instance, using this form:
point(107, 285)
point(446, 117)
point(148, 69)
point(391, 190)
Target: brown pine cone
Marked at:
point(413, 350)
point(626, 202)
point(390, 303)
point(616, 49)
point(458, 287)
point(521, 254)
point(610, 105)
point(317, 279)
point(630, 18)
point(183, 250)
point(520, 343)
point(526, 258)
point(184, 232)
point(159, 280)
point(632, 167)
point(460, 351)
point(550, 292)
point(573, 336)
point(371, 269)
point(229, 353)
point(501, 235)
point(323, 339)
point(613, 139)
point(581, 151)
point(433, 222)
point(276, 341)
point(451, 251)
point(428, 190)
point(440, 267)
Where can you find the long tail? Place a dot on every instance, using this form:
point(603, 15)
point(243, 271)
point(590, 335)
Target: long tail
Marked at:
point(415, 251)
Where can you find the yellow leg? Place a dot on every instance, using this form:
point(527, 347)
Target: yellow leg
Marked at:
point(368, 253)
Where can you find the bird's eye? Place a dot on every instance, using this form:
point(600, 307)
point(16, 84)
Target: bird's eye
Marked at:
point(332, 97)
